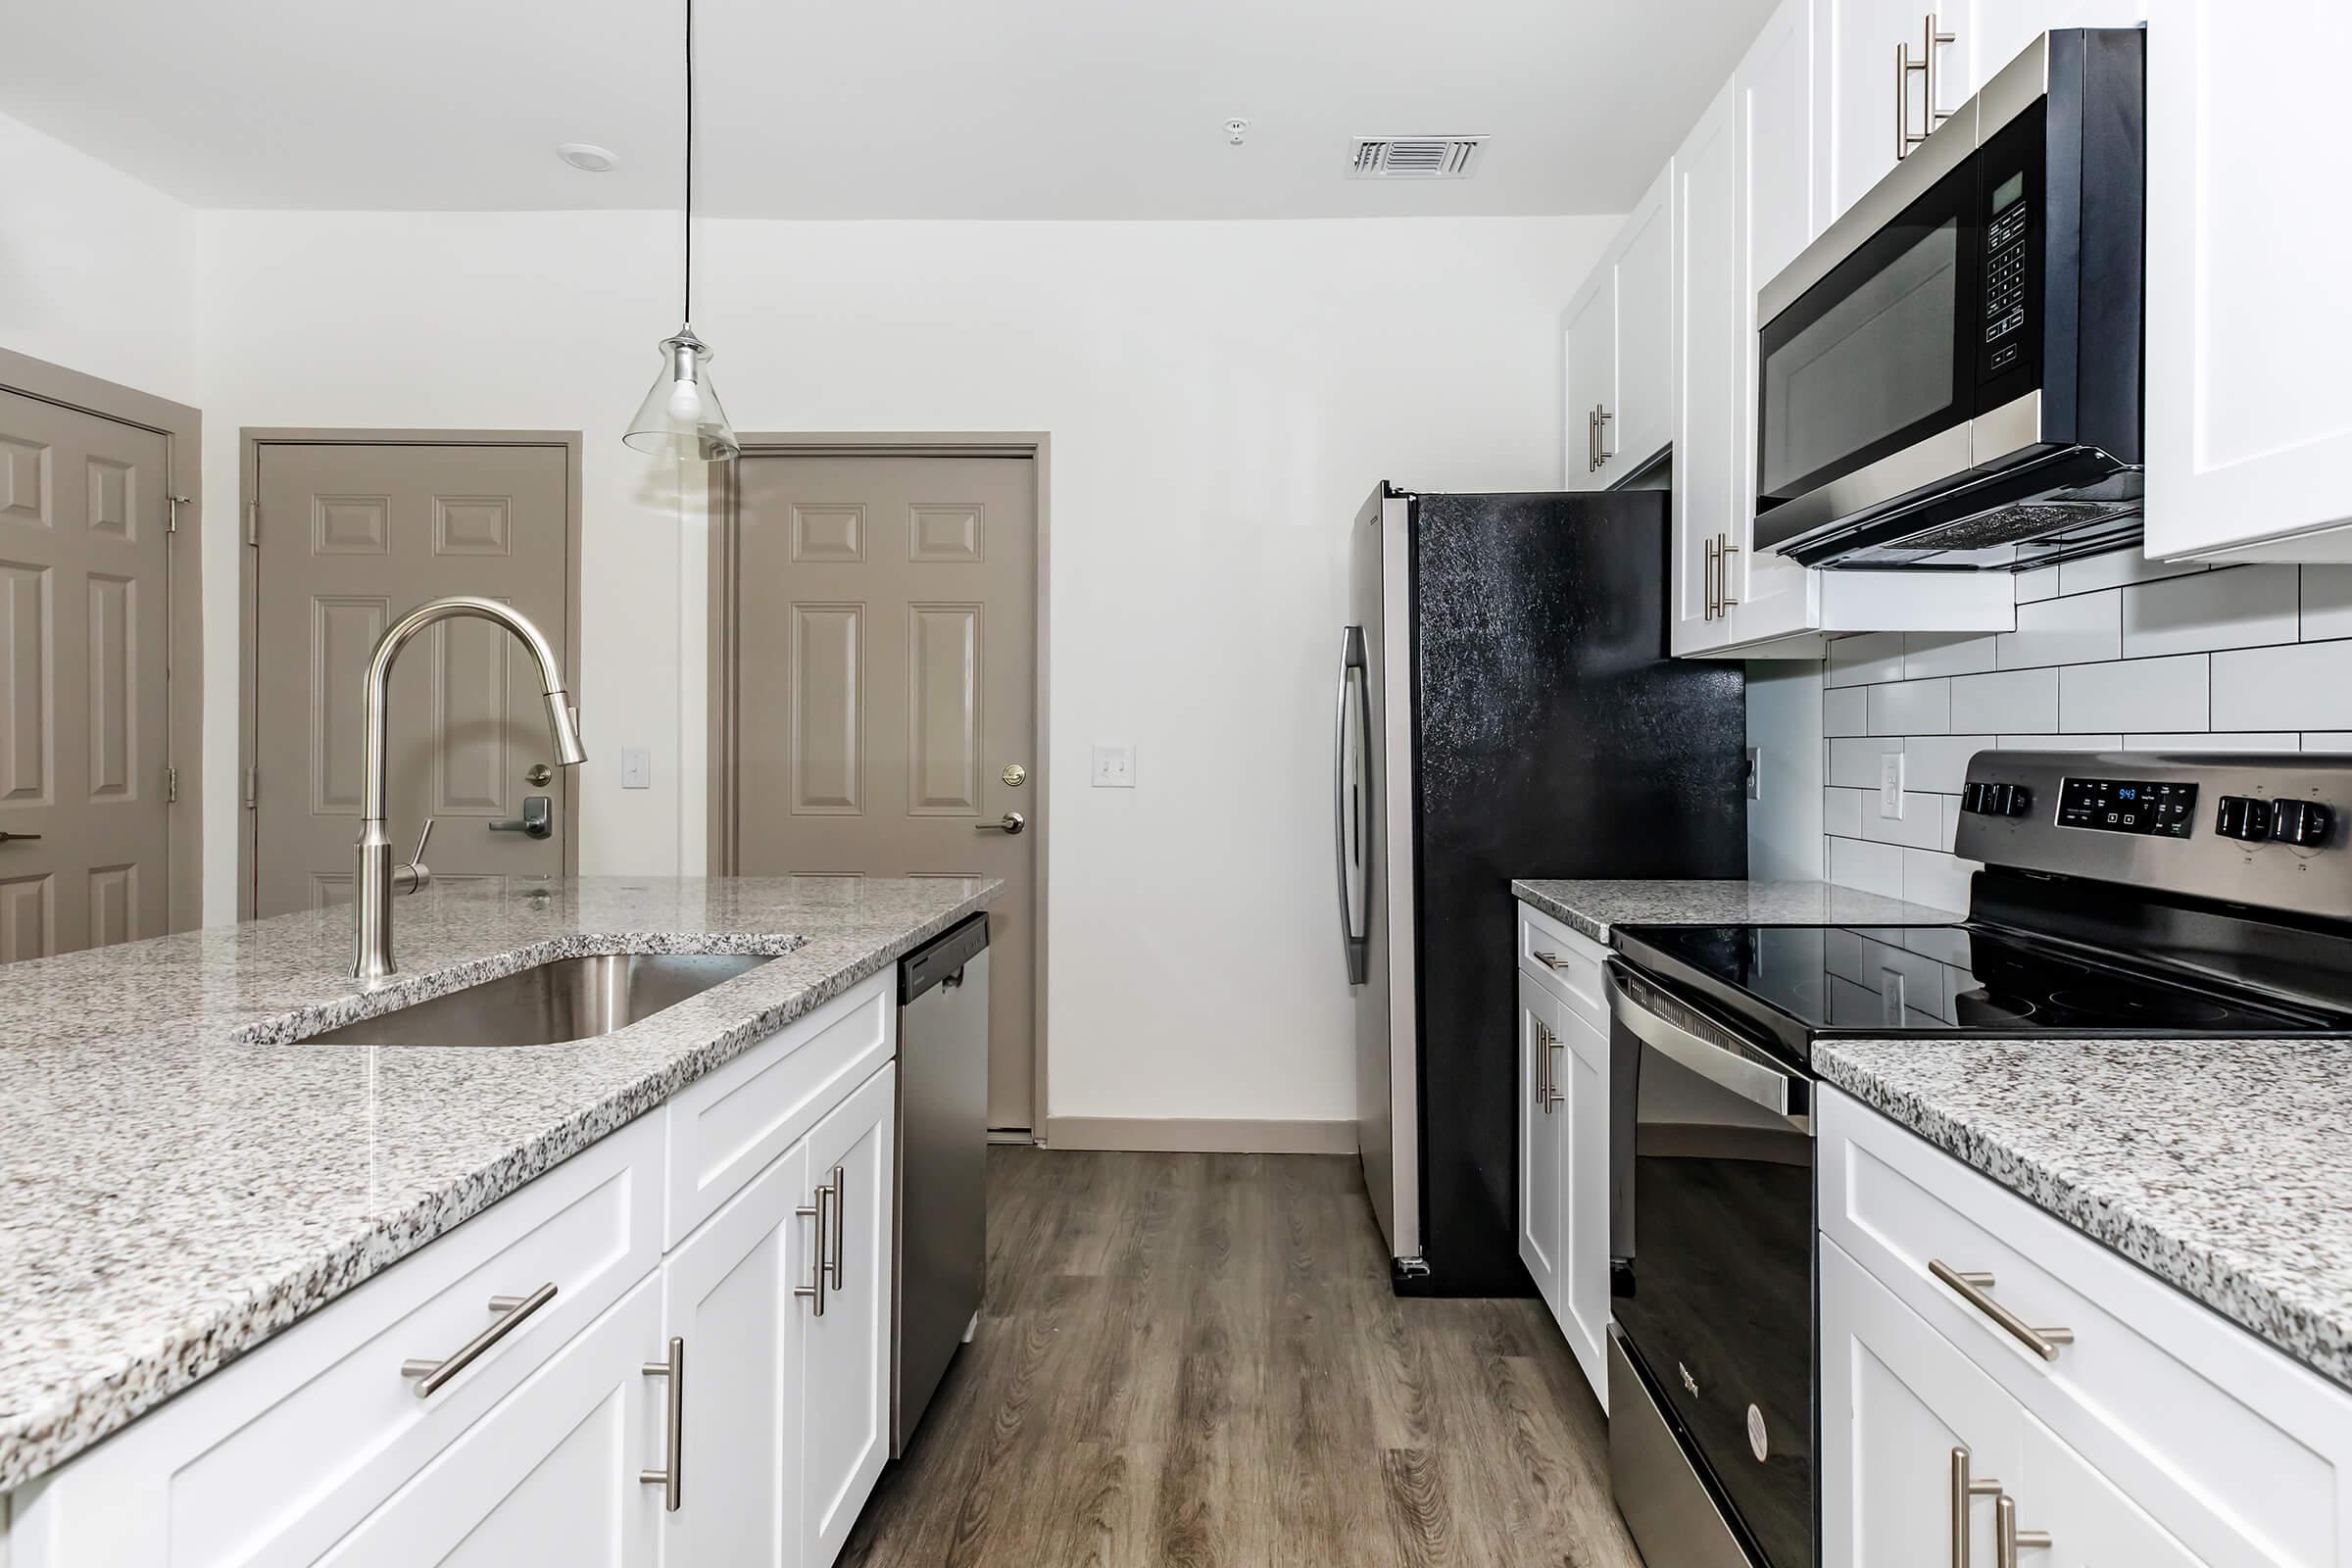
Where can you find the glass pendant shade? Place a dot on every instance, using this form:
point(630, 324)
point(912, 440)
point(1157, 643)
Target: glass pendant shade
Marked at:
point(682, 417)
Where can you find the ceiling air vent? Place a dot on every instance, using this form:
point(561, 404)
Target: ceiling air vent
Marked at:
point(1415, 157)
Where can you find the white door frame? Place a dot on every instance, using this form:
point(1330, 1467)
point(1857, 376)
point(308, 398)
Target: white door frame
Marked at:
point(725, 520)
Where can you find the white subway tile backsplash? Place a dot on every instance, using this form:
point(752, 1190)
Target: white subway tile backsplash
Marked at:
point(1921, 826)
point(2016, 699)
point(1845, 710)
point(2040, 583)
point(2328, 740)
point(2245, 606)
point(2327, 602)
point(2062, 743)
point(1859, 660)
point(1911, 707)
point(2117, 567)
point(2064, 631)
point(1938, 763)
point(1951, 822)
point(2305, 685)
point(1932, 877)
point(1931, 654)
point(1854, 761)
point(2143, 694)
point(1871, 867)
point(1842, 812)
point(2271, 741)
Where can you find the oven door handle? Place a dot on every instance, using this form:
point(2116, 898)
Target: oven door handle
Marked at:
point(1775, 1088)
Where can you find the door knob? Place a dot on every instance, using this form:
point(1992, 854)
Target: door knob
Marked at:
point(538, 773)
point(538, 818)
point(1012, 822)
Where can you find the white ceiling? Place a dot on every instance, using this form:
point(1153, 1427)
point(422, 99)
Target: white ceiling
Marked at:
point(873, 107)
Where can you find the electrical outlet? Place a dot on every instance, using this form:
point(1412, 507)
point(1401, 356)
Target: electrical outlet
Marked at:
point(1114, 768)
point(636, 768)
point(1890, 784)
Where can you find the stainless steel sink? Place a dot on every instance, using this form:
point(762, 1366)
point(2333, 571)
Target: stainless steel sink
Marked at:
point(550, 1004)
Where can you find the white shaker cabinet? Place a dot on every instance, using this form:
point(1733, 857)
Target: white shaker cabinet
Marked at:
point(1616, 336)
point(1538, 1141)
point(2249, 410)
point(1563, 1174)
point(1581, 1083)
point(1874, 63)
point(1708, 504)
point(845, 1429)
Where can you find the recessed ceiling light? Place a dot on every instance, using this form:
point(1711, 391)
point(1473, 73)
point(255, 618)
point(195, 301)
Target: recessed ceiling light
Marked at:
point(584, 156)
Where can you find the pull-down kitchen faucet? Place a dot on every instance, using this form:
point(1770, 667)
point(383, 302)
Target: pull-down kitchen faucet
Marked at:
point(371, 908)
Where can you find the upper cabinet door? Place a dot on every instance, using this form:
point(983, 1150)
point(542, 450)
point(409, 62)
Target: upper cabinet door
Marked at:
point(2004, 28)
point(1868, 102)
point(1589, 332)
point(1710, 508)
point(2249, 411)
point(1640, 422)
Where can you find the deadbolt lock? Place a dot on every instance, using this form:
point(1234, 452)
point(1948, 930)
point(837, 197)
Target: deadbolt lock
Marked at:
point(1014, 775)
point(538, 773)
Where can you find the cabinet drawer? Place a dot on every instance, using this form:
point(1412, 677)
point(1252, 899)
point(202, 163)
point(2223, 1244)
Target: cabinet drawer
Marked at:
point(726, 1128)
point(1567, 962)
point(2229, 1444)
point(269, 1461)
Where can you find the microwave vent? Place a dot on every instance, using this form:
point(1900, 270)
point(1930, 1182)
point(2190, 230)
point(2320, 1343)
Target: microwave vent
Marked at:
point(1415, 157)
point(2014, 524)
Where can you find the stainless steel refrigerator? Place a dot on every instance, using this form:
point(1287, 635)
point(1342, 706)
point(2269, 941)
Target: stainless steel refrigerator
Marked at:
point(1507, 708)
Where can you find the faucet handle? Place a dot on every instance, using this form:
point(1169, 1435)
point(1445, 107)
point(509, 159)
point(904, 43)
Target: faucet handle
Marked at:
point(415, 877)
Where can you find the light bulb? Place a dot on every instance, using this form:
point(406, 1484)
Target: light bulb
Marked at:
point(685, 401)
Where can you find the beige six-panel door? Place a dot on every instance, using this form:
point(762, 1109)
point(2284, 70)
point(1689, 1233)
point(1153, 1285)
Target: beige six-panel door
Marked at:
point(885, 644)
point(84, 827)
point(352, 536)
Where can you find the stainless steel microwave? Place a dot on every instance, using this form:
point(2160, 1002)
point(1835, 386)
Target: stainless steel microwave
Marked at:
point(1949, 377)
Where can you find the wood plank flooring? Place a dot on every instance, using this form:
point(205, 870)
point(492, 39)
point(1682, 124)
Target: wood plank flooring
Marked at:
point(1195, 1359)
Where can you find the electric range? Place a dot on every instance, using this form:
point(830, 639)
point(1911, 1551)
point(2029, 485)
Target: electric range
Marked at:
point(2133, 895)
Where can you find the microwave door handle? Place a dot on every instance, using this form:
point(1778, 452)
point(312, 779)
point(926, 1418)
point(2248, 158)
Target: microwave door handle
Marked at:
point(1778, 1091)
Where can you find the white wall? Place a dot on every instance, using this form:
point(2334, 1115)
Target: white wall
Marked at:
point(94, 267)
point(1221, 396)
point(2109, 652)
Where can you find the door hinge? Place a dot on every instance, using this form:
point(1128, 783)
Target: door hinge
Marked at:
point(170, 786)
point(171, 522)
point(252, 523)
point(253, 786)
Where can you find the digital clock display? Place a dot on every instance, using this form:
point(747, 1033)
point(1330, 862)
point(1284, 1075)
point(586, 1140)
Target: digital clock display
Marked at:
point(2128, 806)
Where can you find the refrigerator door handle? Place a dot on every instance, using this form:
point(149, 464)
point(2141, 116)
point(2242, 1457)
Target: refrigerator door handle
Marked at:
point(1350, 786)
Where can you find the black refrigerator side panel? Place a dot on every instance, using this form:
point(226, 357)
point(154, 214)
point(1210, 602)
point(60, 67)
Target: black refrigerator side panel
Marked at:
point(1555, 738)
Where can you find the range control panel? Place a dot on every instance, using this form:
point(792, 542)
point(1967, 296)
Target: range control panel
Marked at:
point(2129, 805)
point(2251, 828)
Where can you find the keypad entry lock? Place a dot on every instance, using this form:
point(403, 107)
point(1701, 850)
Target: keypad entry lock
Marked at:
point(538, 818)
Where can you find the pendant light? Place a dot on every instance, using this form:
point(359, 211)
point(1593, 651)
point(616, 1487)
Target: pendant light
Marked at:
point(682, 417)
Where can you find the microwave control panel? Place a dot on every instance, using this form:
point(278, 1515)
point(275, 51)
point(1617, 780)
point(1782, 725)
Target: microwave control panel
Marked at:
point(2007, 263)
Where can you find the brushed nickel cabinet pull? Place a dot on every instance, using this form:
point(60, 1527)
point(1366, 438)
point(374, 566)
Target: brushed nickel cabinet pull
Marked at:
point(840, 1217)
point(1924, 67)
point(1543, 1068)
point(814, 1290)
point(1552, 1097)
point(1971, 1289)
point(510, 1310)
point(1964, 1491)
point(2008, 1539)
point(1714, 565)
point(672, 1478)
point(1725, 550)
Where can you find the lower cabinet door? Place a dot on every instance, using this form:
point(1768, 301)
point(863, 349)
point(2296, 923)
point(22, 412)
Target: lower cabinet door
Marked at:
point(2090, 1521)
point(845, 1431)
point(1898, 1404)
point(729, 1296)
point(1580, 1074)
point(550, 1475)
point(1539, 1140)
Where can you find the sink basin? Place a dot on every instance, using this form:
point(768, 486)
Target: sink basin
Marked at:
point(552, 1004)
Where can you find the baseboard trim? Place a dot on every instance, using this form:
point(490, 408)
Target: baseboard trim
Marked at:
point(1200, 1135)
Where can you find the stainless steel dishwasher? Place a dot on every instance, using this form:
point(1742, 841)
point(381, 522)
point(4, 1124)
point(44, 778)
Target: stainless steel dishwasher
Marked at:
point(942, 1221)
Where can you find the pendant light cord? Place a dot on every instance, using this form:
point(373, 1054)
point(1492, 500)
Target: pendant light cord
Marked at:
point(690, 161)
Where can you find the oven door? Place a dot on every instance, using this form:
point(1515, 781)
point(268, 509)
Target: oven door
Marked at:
point(1866, 381)
point(1713, 1148)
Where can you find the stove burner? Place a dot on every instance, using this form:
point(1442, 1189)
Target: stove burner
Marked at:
point(2169, 1010)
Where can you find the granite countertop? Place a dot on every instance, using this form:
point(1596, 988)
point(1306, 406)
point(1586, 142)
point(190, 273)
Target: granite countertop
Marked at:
point(1593, 907)
point(176, 1186)
point(2221, 1166)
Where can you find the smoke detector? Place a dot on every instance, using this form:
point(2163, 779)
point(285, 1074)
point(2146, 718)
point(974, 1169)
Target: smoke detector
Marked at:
point(1414, 157)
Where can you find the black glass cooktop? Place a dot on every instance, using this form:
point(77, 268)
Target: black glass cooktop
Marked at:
point(1950, 980)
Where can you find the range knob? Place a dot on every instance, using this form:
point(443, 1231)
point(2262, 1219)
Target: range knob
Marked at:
point(2299, 821)
point(2242, 817)
point(1972, 798)
point(2019, 801)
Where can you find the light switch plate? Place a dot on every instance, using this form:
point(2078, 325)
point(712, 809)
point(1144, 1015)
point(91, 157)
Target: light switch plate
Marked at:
point(1890, 784)
point(1114, 768)
point(636, 768)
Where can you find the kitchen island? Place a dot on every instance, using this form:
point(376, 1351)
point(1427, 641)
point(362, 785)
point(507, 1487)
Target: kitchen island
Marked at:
point(184, 1185)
